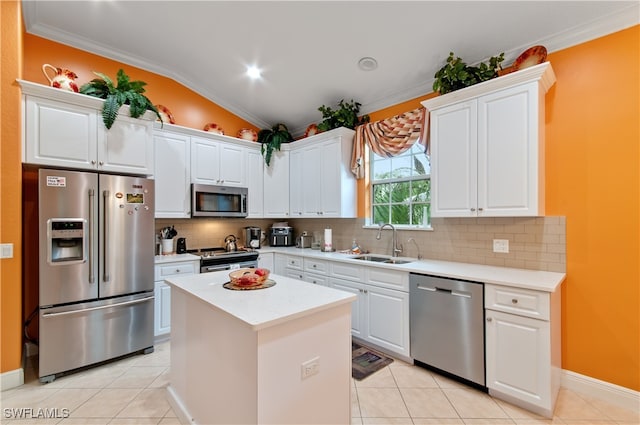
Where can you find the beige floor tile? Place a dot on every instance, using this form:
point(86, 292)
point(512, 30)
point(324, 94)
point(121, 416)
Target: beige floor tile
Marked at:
point(381, 403)
point(387, 421)
point(31, 421)
point(162, 381)
point(355, 405)
point(169, 421)
point(444, 382)
point(590, 422)
point(439, 421)
point(149, 403)
point(106, 403)
point(135, 421)
point(471, 403)
point(516, 412)
point(541, 421)
point(85, 421)
point(413, 377)
point(170, 413)
point(68, 398)
point(380, 379)
point(488, 421)
point(356, 421)
point(427, 403)
point(137, 377)
point(570, 406)
point(26, 397)
point(160, 357)
point(612, 411)
point(98, 377)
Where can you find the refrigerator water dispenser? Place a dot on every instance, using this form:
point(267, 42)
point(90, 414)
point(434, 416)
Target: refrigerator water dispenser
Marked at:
point(66, 241)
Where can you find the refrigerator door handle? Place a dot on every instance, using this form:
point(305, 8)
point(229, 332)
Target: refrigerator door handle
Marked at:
point(92, 278)
point(105, 236)
point(63, 313)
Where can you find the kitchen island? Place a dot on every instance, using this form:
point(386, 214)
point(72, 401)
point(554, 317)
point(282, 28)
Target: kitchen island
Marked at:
point(275, 355)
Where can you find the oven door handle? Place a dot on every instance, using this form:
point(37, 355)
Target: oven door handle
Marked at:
point(208, 269)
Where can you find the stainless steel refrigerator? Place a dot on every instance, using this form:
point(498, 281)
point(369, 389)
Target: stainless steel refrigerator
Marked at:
point(96, 249)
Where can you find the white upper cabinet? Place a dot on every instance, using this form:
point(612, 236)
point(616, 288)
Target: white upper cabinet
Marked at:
point(487, 147)
point(217, 163)
point(65, 129)
point(255, 183)
point(172, 164)
point(322, 184)
point(276, 186)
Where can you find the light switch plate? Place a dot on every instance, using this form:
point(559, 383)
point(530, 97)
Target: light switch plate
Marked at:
point(6, 250)
point(501, 245)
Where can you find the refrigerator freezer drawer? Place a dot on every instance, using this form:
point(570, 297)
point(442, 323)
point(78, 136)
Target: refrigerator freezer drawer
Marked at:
point(83, 334)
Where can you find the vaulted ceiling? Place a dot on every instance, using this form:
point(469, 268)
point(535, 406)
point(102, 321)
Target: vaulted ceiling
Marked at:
point(308, 51)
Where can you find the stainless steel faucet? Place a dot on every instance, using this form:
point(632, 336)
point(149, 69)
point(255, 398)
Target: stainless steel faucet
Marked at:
point(394, 241)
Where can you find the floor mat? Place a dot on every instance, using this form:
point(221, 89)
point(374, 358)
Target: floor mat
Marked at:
point(365, 361)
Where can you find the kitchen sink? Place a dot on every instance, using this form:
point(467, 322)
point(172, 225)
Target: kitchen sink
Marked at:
point(379, 259)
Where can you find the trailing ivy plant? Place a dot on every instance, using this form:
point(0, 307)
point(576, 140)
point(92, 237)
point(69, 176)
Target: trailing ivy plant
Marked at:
point(272, 138)
point(126, 92)
point(345, 116)
point(456, 74)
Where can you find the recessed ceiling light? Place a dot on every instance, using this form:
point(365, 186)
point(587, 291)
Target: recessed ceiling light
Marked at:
point(254, 72)
point(367, 64)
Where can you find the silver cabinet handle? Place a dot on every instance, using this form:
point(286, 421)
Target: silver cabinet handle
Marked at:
point(479, 209)
point(177, 270)
point(489, 319)
point(514, 301)
point(93, 162)
point(101, 163)
point(92, 278)
point(105, 238)
point(473, 209)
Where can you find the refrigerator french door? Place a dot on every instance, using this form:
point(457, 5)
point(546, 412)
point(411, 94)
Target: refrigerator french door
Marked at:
point(96, 250)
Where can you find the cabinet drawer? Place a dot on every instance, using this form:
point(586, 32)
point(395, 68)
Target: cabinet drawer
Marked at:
point(173, 269)
point(316, 266)
point(317, 279)
point(293, 262)
point(347, 271)
point(517, 301)
point(385, 278)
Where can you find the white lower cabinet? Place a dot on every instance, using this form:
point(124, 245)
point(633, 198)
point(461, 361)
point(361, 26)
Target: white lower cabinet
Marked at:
point(162, 306)
point(358, 310)
point(266, 261)
point(523, 347)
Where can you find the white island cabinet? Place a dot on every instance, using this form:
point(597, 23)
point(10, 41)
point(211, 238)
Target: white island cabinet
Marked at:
point(276, 355)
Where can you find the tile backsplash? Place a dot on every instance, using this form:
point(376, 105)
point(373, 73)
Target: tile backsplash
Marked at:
point(535, 243)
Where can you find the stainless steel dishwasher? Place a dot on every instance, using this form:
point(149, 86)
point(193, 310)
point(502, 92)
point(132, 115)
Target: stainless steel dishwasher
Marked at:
point(447, 325)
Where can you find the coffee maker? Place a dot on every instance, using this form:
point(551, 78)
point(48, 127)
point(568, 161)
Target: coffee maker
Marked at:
point(252, 237)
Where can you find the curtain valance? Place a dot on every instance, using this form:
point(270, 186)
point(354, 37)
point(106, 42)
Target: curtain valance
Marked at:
point(389, 137)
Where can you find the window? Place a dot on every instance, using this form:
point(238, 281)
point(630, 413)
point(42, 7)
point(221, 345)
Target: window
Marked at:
point(401, 188)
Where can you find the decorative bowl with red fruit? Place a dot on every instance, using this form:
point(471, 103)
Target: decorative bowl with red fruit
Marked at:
point(249, 276)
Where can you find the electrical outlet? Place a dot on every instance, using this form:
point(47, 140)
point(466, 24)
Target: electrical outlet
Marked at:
point(501, 245)
point(310, 367)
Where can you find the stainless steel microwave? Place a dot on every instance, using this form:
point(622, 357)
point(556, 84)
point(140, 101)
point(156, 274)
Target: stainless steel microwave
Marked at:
point(218, 201)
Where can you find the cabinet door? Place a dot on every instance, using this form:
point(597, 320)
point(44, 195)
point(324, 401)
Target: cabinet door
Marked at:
point(205, 160)
point(127, 147)
point(358, 310)
point(232, 165)
point(276, 186)
point(255, 183)
point(172, 175)
point(266, 261)
point(454, 160)
point(312, 178)
point(60, 134)
point(388, 319)
point(518, 357)
point(508, 159)
point(296, 185)
point(162, 322)
point(330, 178)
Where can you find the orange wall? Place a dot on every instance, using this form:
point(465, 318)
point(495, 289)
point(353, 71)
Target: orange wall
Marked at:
point(10, 188)
point(188, 108)
point(592, 139)
point(592, 163)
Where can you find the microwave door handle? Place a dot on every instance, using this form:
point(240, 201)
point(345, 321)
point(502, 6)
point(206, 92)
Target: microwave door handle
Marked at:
point(90, 235)
point(105, 239)
point(217, 268)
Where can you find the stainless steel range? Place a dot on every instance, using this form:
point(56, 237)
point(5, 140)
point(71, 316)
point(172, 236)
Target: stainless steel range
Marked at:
point(216, 259)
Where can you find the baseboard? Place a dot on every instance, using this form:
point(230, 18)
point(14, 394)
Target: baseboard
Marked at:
point(178, 407)
point(11, 379)
point(602, 390)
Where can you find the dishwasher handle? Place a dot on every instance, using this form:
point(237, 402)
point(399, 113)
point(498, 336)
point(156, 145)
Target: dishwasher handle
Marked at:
point(447, 291)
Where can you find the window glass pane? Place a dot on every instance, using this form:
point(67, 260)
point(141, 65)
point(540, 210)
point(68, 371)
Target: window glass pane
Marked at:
point(401, 192)
point(420, 190)
point(421, 214)
point(400, 214)
point(381, 167)
point(381, 214)
point(401, 166)
point(381, 193)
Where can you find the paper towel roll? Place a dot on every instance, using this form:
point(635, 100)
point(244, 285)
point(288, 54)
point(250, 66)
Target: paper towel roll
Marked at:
point(327, 240)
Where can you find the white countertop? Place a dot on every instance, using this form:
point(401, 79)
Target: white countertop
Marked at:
point(160, 259)
point(517, 278)
point(288, 299)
